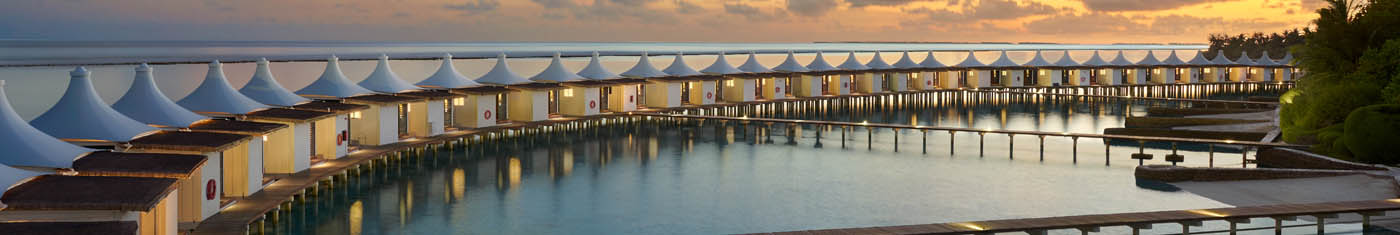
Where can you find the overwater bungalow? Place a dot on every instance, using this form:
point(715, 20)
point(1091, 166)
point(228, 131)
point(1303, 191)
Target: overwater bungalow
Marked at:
point(149, 203)
point(1244, 69)
point(81, 116)
point(799, 80)
point(216, 97)
point(1007, 73)
point(1126, 71)
point(263, 87)
point(1041, 73)
point(695, 89)
point(263, 133)
point(1226, 69)
point(1259, 70)
point(832, 83)
point(877, 72)
point(972, 73)
point(1073, 73)
point(769, 84)
point(735, 87)
point(339, 126)
point(1175, 71)
point(621, 94)
point(906, 75)
point(933, 74)
point(426, 117)
point(578, 96)
point(659, 93)
point(469, 104)
point(850, 72)
point(1100, 71)
point(145, 102)
point(383, 122)
point(1149, 69)
point(312, 137)
point(1289, 71)
point(526, 101)
point(227, 170)
point(1202, 69)
point(1276, 71)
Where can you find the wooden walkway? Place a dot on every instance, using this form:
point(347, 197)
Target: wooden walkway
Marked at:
point(1189, 217)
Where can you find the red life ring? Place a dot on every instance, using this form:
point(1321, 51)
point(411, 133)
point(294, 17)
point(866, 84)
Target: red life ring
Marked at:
point(709, 95)
point(592, 104)
point(486, 114)
point(631, 99)
point(210, 189)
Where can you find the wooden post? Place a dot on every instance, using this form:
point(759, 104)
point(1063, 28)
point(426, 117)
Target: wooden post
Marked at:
point(925, 140)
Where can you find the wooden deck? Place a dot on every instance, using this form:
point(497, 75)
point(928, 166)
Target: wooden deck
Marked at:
point(1124, 219)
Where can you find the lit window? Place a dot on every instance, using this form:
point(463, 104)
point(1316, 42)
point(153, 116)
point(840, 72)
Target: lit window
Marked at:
point(1206, 70)
point(355, 115)
point(264, 138)
point(1042, 72)
point(459, 101)
point(568, 92)
point(729, 83)
point(1156, 71)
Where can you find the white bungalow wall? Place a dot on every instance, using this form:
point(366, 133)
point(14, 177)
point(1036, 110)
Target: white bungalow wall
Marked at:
point(703, 92)
point(839, 84)
point(623, 98)
point(476, 112)
point(580, 101)
point(377, 125)
point(1284, 74)
point(950, 80)
point(807, 86)
point(1082, 77)
point(528, 105)
point(341, 123)
point(867, 83)
point(898, 82)
point(738, 90)
point(1011, 78)
point(662, 94)
point(926, 81)
point(194, 205)
point(979, 78)
point(243, 168)
point(774, 88)
point(1048, 77)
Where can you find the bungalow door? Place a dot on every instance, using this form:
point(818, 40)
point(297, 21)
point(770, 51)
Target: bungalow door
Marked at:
point(603, 98)
point(553, 102)
point(685, 92)
point(758, 88)
point(403, 120)
point(501, 107)
point(826, 81)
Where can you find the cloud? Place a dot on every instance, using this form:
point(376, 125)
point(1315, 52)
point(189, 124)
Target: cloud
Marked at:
point(551, 4)
point(1082, 24)
point(633, 2)
point(1115, 24)
point(968, 15)
point(753, 13)
point(606, 10)
point(812, 8)
point(1140, 5)
point(882, 3)
point(475, 7)
point(685, 7)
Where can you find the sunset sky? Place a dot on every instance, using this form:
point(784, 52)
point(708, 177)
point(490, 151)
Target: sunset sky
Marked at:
point(1064, 21)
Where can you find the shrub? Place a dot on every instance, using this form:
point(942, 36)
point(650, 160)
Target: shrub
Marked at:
point(1372, 134)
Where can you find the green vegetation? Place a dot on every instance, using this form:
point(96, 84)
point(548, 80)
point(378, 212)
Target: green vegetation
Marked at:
point(1346, 102)
point(1276, 44)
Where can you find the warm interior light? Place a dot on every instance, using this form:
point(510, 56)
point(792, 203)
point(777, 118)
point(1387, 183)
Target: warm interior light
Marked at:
point(1207, 213)
point(568, 92)
point(355, 115)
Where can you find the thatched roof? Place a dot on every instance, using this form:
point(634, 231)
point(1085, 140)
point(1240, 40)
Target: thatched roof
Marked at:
point(159, 165)
point(236, 127)
point(70, 228)
point(288, 115)
point(330, 106)
point(189, 141)
point(381, 99)
point(57, 192)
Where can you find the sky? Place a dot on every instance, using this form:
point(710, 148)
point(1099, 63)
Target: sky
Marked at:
point(1059, 21)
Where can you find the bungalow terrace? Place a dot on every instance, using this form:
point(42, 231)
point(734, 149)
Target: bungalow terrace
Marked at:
point(386, 121)
point(300, 146)
point(149, 202)
point(621, 94)
point(482, 106)
point(848, 73)
point(188, 170)
point(324, 146)
point(225, 176)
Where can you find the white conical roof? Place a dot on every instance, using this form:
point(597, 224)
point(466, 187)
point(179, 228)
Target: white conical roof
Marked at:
point(448, 77)
point(878, 62)
point(1066, 62)
point(1150, 60)
point(264, 88)
point(1287, 60)
point(791, 65)
point(215, 95)
point(145, 103)
point(1096, 60)
point(23, 145)
point(1173, 60)
point(333, 83)
point(501, 74)
point(1200, 59)
point(852, 63)
point(1220, 59)
point(1119, 60)
point(820, 64)
point(384, 80)
point(643, 69)
point(1245, 60)
point(679, 68)
point(1004, 61)
point(721, 66)
point(1037, 61)
point(1264, 60)
point(931, 62)
point(556, 72)
point(81, 114)
point(905, 62)
point(752, 65)
point(595, 70)
point(970, 62)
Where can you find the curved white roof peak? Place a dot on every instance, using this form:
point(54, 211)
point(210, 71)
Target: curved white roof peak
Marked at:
point(970, 62)
point(905, 62)
point(643, 69)
point(383, 79)
point(1119, 60)
point(333, 83)
point(1038, 60)
point(1096, 60)
point(81, 114)
point(791, 65)
point(679, 68)
point(595, 70)
point(751, 65)
point(878, 63)
point(1244, 59)
point(25, 145)
point(501, 74)
point(1004, 61)
point(556, 72)
point(1287, 59)
point(820, 64)
point(931, 62)
point(447, 76)
point(264, 88)
point(1150, 59)
point(215, 95)
point(852, 63)
point(1173, 60)
point(145, 102)
point(1220, 59)
point(1265, 60)
point(1199, 59)
point(1066, 61)
point(721, 66)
